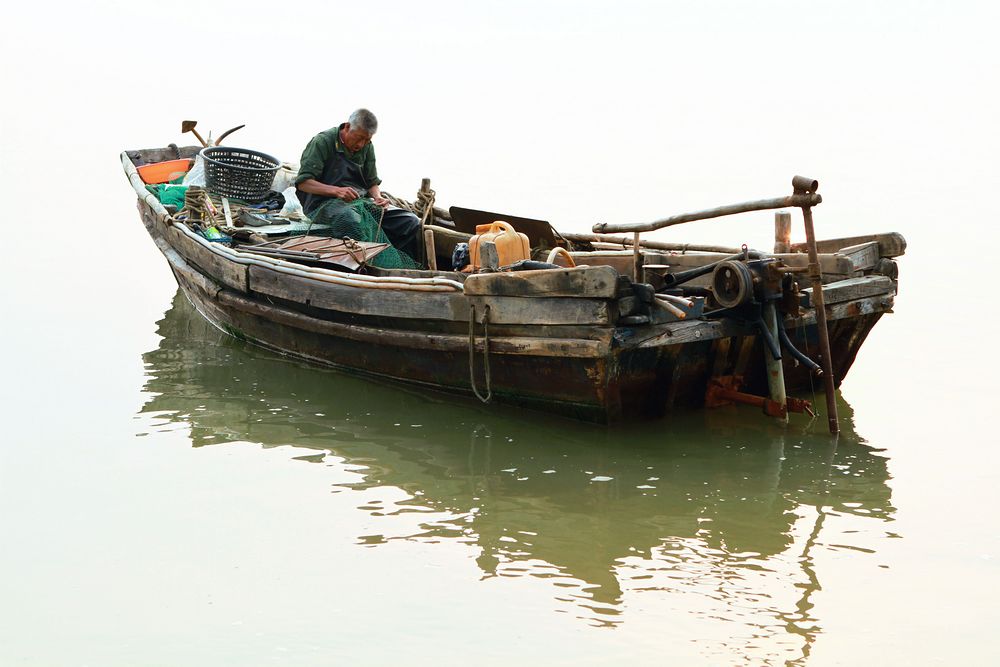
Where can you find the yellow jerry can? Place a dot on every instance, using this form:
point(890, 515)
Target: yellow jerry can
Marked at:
point(512, 246)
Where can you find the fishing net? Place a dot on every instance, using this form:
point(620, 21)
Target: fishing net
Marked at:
point(359, 220)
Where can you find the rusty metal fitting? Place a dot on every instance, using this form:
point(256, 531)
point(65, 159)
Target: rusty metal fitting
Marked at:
point(802, 185)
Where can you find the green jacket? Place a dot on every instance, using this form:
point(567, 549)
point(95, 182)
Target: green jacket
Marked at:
point(322, 147)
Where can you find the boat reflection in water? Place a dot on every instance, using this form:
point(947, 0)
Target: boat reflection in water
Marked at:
point(721, 509)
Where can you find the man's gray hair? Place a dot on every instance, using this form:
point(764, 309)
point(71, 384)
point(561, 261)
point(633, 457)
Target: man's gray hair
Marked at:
point(363, 119)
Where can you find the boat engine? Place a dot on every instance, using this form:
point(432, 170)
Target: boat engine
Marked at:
point(742, 287)
point(748, 284)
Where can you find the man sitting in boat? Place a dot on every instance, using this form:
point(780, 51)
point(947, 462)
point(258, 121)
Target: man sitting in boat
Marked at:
point(338, 171)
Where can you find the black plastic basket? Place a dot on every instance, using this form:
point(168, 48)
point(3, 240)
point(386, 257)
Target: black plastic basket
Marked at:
point(239, 173)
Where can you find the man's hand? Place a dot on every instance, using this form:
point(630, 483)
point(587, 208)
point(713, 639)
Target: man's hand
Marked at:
point(347, 194)
point(312, 186)
point(376, 194)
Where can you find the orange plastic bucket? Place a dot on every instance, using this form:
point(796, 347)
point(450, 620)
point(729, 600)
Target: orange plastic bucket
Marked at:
point(163, 172)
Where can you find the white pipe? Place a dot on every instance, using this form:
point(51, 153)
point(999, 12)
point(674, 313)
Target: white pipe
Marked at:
point(326, 275)
point(671, 308)
point(676, 299)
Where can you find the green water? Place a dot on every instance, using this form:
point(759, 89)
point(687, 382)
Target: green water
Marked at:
point(720, 510)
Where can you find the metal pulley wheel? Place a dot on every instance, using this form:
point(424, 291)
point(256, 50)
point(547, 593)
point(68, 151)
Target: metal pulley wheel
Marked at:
point(732, 283)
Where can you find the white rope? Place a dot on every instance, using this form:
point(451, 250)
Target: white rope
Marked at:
point(326, 275)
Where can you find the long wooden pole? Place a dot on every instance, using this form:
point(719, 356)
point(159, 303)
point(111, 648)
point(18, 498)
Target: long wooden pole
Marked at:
point(798, 200)
point(824, 335)
point(636, 259)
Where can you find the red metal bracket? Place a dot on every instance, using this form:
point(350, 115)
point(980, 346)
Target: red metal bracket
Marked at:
point(724, 390)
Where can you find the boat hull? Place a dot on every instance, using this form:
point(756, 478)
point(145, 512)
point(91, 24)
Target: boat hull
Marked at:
point(622, 382)
point(563, 354)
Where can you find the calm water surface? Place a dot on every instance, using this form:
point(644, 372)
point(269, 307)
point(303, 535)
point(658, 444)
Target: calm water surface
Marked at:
point(718, 515)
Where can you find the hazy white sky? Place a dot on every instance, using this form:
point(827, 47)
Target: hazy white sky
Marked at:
point(574, 111)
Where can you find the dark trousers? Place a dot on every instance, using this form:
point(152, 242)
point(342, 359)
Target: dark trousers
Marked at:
point(403, 230)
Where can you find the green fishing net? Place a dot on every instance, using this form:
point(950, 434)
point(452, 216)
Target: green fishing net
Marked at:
point(359, 220)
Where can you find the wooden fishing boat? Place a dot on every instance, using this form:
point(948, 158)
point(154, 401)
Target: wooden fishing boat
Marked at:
point(635, 329)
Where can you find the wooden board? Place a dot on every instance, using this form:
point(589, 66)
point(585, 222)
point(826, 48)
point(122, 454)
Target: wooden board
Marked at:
point(545, 310)
point(828, 263)
point(505, 344)
point(197, 280)
point(850, 289)
point(359, 300)
point(864, 256)
point(530, 346)
point(219, 268)
point(891, 244)
point(583, 282)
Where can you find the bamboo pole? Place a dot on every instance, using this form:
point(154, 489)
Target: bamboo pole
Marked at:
point(804, 185)
point(797, 200)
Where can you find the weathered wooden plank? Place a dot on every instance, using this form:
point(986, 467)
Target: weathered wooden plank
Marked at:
point(587, 282)
point(219, 268)
point(359, 300)
point(878, 303)
point(891, 244)
point(545, 310)
point(850, 289)
point(864, 256)
point(557, 347)
point(828, 263)
point(417, 340)
point(196, 279)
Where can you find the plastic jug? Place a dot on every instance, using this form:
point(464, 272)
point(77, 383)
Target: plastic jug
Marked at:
point(512, 246)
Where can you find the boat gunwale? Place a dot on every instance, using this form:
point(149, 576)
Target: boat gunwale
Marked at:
point(318, 274)
point(641, 337)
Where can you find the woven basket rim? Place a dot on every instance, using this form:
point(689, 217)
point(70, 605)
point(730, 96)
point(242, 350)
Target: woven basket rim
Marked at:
point(229, 149)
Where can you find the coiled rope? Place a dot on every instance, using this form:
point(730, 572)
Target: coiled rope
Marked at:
point(425, 202)
point(486, 352)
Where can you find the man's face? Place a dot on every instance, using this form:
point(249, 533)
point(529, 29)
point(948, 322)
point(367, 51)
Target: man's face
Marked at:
point(355, 138)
